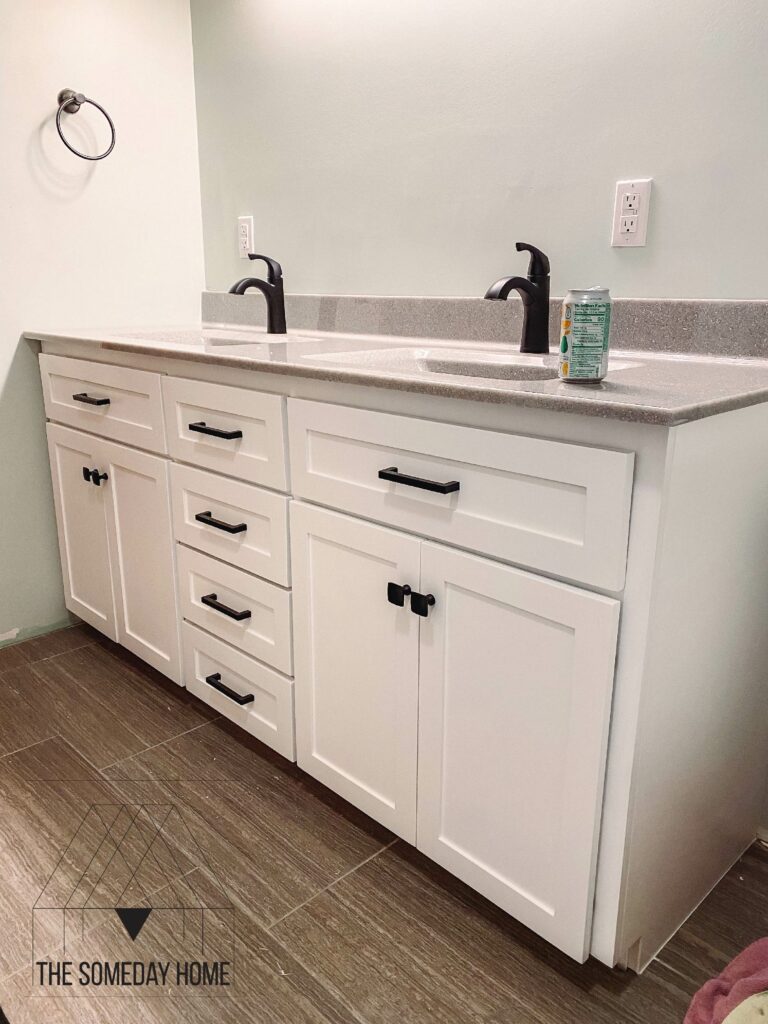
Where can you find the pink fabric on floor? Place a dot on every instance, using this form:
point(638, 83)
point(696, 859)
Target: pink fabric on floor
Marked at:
point(742, 978)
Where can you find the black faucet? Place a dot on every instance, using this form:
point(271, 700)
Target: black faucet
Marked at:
point(272, 290)
point(534, 291)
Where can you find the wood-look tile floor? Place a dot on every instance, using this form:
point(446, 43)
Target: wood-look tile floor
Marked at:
point(336, 921)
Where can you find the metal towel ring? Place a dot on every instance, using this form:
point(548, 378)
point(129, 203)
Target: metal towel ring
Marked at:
point(71, 101)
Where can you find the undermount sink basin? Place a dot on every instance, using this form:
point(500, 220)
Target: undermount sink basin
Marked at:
point(463, 362)
point(492, 364)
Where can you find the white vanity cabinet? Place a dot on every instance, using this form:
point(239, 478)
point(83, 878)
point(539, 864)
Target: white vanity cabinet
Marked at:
point(529, 642)
point(113, 517)
point(503, 686)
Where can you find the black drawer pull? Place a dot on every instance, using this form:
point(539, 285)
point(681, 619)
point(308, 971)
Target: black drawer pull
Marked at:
point(211, 602)
point(87, 400)
point(397, 594)
point(203, 428)
point(217, 524)
point(216, 683)
point(421, 603)
point(418, 481)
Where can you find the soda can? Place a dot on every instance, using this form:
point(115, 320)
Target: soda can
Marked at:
point(584, 335)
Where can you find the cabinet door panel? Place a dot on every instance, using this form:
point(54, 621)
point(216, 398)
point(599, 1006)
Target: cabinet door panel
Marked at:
point(356, 662)
point(514, 701)
point(81, 520)
point(142, 555)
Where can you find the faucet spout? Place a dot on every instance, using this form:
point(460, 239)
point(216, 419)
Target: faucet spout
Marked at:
point(500, 289)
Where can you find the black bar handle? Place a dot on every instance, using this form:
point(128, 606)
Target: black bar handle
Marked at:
point(418, 481)
point(218, 524)
point(87, 400)
point(421, 603)
point(216, 683)
point(211, 602)
point(203, 428)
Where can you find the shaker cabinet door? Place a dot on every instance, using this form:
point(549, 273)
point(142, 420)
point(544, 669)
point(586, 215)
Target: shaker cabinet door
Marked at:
point(81, 520)
point(356, 662)
point(140, 539)
point(516, 676)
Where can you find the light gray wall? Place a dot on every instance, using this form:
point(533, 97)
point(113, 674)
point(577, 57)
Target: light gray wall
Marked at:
point(118, 242)
point(402, 148)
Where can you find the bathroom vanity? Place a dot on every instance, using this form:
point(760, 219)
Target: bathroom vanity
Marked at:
point(520, 624)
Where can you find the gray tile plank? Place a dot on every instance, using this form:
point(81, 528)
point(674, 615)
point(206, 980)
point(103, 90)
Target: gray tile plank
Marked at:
point(399, 932)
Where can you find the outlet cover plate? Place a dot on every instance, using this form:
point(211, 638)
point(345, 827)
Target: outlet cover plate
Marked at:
point(631, 209)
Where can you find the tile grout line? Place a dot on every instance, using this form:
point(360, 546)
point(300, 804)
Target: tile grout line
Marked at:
point(154, 746)
point(330, 885)
point(29, 746)
point(47, 657)
point(25, 967)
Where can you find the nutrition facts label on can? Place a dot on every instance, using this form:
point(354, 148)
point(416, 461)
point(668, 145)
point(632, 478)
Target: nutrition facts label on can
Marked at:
point(585, 339)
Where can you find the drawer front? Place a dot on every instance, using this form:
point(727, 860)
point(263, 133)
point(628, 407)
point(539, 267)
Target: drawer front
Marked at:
point(231, 430)
point(561, 508)
point(112, 401)
point(211, 668)
point(239, 523)
point(265, 633)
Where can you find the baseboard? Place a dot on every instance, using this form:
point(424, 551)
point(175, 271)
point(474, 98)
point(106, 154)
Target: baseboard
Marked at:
point(28, 634)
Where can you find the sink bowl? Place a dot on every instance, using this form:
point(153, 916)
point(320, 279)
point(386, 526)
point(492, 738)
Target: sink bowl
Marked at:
point(502, 365)
point(463, 362)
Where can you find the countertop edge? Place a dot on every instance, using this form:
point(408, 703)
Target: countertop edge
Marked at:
point(574, 405)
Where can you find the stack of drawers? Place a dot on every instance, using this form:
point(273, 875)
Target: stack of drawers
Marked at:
point(232, 553)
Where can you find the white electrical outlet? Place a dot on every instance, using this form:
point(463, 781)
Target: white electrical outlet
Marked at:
point(244, 237)
point(631, 207)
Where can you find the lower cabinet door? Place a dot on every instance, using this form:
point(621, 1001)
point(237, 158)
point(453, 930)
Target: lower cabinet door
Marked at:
point(81, 519)
point(356, 662)
point(139, 524)
point(516, 677)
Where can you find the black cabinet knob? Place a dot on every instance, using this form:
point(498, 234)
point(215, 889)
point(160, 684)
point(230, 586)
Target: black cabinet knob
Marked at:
point(421, 603)
point(397, 594)
point(93, 476)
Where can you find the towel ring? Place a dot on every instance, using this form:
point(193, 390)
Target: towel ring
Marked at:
point(71, 101)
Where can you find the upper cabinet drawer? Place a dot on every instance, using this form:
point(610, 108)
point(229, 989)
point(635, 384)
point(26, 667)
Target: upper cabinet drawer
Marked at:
point(231, 430)
point(561, 508)
point(112, 401)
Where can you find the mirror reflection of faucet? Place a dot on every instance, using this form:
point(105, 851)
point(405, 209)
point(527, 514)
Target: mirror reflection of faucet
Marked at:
point(534, 291)
point(272, 289)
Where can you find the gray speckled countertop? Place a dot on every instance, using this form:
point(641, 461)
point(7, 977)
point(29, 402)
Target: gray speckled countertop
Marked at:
point(657, 388)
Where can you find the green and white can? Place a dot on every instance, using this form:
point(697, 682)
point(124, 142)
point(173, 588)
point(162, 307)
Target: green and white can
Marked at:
point(584, 335)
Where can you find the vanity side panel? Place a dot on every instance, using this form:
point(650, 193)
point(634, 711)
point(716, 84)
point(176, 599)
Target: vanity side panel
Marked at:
point(700, 764)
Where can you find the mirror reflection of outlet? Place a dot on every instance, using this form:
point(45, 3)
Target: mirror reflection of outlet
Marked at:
point(631, 207)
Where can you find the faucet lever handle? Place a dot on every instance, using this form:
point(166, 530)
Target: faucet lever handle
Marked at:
point(539, 265)
point(274, 270)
